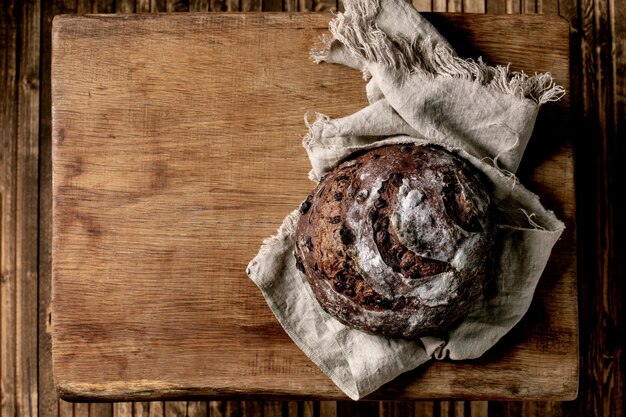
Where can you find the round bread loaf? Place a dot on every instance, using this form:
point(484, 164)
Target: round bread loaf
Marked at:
point(395, 241)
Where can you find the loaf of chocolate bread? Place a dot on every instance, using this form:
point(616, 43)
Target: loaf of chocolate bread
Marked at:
point(395, 241)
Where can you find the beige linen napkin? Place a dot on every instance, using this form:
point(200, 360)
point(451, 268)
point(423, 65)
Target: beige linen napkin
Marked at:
point(419, 92)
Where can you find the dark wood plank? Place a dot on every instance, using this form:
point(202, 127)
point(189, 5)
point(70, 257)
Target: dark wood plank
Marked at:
point(158, 5)
point(234, 5)
point(272, 5)
point(142, 409)
point(495, 6)
point(125, 6)
point(251, 408)
point(217, 408)
point(308, 409)
point(324, 5)
point(65, 409)
point(157, 409)
point(360, 409)
point(9, 114)
point(232, 408)
point(197, 409)
point(440, 5)
point(474, 6)
point(327, 408)
point(423, 5)
point(218, 5)
point(272, 408)
point(548, 6)
point(505, 409)
point(513, 6)
point(454, 6)
point(529, 6)
point(545, 408)
point(102, 410)
point(305, 5)
point(124, 409)
point(446, 408)
point(84, 6)
point(19, 148)
point(397, 408)
point(176, 6)
point(142, 6)
point(424, 409)
point(175, 408)
point(616, 299)
point(601, 160)
point(290, 5)
point(82, 410)
point(105, 6)
point(479, 409)
point(199, 5)
point(462, 409)
point(27, 207)
point(251, 5)
point(290, 409)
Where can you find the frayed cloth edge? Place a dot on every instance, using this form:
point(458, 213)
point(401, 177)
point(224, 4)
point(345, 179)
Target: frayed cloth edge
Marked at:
point(357, 31)
point(539, 87)
point(285, 231)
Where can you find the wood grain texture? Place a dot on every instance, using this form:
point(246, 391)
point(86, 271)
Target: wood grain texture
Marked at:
point(19, 75)
point(600, 389)
point(602, 90)
point(8, 199)
point(27, 207)
point(197, 409)
point(157, 409)
point(327, 408)
point(198, 5)
point(100, 410)
point(157, 6)
point(251, 5)
point(325, 5)
point(124, 410)
point(135, 224)
point(142, 6)
point(495, 6)
point(125, 6)
point(272, 5)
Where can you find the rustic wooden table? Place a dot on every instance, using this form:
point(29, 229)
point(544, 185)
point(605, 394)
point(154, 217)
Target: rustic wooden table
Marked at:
point(164, 189)
point(598, 98)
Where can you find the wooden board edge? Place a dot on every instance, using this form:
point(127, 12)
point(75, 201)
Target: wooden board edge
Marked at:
point(155, 391)
point(151, 391)
point(60, 19)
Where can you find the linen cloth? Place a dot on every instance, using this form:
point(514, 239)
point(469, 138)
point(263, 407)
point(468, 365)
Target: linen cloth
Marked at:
point(419, 92)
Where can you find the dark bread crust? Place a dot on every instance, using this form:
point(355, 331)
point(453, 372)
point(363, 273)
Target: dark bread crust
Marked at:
point(394, 240)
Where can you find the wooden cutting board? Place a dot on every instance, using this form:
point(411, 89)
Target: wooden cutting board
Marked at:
point(177, 150)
